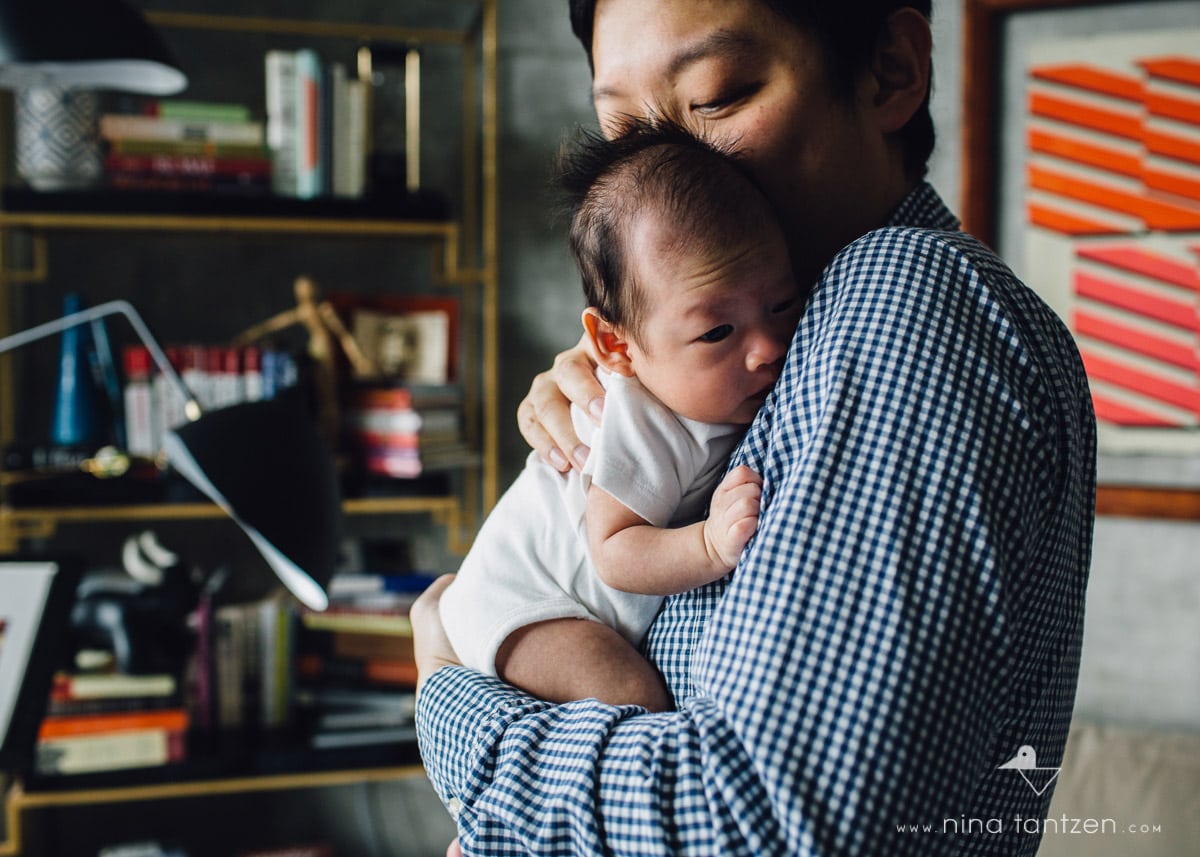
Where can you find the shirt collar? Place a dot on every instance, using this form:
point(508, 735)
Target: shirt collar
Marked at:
point(923, 208)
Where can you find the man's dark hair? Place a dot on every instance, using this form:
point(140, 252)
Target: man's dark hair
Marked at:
point(848, 32)
point(658, 169)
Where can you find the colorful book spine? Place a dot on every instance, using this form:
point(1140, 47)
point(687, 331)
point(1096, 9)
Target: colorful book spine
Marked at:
point(170, 719)
point(85, 754)
point(310, 176)
point(283, 110)
point(155, 128)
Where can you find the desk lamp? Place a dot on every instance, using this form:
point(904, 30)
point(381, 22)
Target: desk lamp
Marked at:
point(262, 462)
point(55, 53)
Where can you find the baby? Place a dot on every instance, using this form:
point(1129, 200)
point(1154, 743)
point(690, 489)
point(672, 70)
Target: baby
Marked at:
point(692, 305)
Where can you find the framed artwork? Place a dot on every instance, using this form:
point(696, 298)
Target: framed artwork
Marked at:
point(1081, 166)
point(35, 600)
point(410, 338)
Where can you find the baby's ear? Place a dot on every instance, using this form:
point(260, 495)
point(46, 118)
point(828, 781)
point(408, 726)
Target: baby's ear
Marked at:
point(609, 345)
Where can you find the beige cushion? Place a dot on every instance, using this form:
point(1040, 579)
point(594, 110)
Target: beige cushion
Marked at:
point(1122, 778)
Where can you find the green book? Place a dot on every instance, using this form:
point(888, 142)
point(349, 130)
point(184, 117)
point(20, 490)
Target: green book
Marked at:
point(203, 111)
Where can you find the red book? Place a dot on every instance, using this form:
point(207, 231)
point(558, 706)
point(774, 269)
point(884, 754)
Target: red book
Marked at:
point(187, 165)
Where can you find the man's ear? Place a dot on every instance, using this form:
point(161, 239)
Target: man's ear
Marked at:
point(608, 344)
point(900, 71)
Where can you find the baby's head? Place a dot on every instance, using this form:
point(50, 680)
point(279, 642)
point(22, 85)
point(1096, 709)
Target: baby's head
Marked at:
point(684, 267)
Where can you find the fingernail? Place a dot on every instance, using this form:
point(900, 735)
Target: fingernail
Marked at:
point(580, 454)
point(596, 407)
point(557, 461)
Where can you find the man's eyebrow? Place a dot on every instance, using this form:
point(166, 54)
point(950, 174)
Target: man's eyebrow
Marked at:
point(720, 43)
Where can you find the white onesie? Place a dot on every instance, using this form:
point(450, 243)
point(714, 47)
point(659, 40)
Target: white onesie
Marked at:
point(530, 561)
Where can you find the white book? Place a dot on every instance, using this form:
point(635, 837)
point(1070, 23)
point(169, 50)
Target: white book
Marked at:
point(282, 116)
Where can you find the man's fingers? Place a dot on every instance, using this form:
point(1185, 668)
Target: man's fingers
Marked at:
point(536, 435)
point(575, 375)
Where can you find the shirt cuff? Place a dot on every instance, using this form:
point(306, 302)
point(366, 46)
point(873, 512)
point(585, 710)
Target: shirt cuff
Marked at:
point(461, 715)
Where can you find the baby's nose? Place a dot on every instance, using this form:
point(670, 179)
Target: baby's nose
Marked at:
point(765, 350)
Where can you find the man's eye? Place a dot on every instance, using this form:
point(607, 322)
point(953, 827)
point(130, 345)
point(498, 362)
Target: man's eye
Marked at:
point(717, 333)
point(725, 99)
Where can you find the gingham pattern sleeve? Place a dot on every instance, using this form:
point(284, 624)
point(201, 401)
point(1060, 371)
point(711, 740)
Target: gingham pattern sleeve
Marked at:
point(908, 615)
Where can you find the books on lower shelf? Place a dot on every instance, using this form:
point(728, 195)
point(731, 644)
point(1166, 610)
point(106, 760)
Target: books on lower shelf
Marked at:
point(241, 673)
point(345, 676)
point(355, 669)
point(111, 721)
point(406, 431)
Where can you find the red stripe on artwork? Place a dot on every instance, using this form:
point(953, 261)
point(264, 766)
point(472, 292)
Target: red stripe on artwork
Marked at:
point(1105, 330)
point(1139, 381)
point(1118, 413)
point(1138, 261)
point(1175, 313)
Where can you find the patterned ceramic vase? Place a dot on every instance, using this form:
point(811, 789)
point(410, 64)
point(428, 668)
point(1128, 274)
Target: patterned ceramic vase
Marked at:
point(57, 143)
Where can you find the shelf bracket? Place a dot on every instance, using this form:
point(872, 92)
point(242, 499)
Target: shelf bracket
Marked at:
point(10, 845)
point(14, 530)
point(40, 269)
point(446, 268)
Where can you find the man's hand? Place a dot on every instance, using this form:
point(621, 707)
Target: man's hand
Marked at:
point(544, 416)
point(431, 646)
point(733, 515)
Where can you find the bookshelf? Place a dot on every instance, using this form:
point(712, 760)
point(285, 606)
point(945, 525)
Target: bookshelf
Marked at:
point(462, 251)
point(459, 245)
point(21, 806)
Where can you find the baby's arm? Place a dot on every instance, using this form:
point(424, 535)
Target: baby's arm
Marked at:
point(634, 556)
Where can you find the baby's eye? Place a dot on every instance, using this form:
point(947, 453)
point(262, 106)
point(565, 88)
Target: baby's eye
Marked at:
point(784, 306)
point(717, 333)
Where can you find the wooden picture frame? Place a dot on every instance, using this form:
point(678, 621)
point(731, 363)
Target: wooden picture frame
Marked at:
point(983, 68)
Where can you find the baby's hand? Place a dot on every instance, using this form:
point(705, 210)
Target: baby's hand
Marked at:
point(733, 515)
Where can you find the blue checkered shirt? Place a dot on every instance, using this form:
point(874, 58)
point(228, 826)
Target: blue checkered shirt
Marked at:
point(907, 617)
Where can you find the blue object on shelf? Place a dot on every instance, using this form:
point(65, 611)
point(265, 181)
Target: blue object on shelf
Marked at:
point(75, 418)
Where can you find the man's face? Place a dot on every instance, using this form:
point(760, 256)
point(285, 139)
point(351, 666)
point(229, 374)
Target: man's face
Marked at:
point(738, 72)
point(719, 318)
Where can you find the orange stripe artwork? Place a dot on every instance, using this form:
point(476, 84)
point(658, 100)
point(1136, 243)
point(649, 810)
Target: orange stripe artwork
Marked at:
point(1172, 146)
point(1172, 182)
point(1160, 214)
point(1057, 220)
point(1073, 112)
point(1093, 79)
point(1079, 151)
point(1178, 69)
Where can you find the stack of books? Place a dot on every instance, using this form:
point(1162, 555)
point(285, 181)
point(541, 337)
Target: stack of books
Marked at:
point(186, 146)
point(316, 126)
point(240, 677)
point(111, 721)
point(406, 431)
point(355, 671)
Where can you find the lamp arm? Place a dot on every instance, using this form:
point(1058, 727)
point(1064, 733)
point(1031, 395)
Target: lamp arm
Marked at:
point(41, 331)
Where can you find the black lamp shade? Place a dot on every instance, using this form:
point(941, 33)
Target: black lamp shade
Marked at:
point(94, 44)
point(273, 474)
